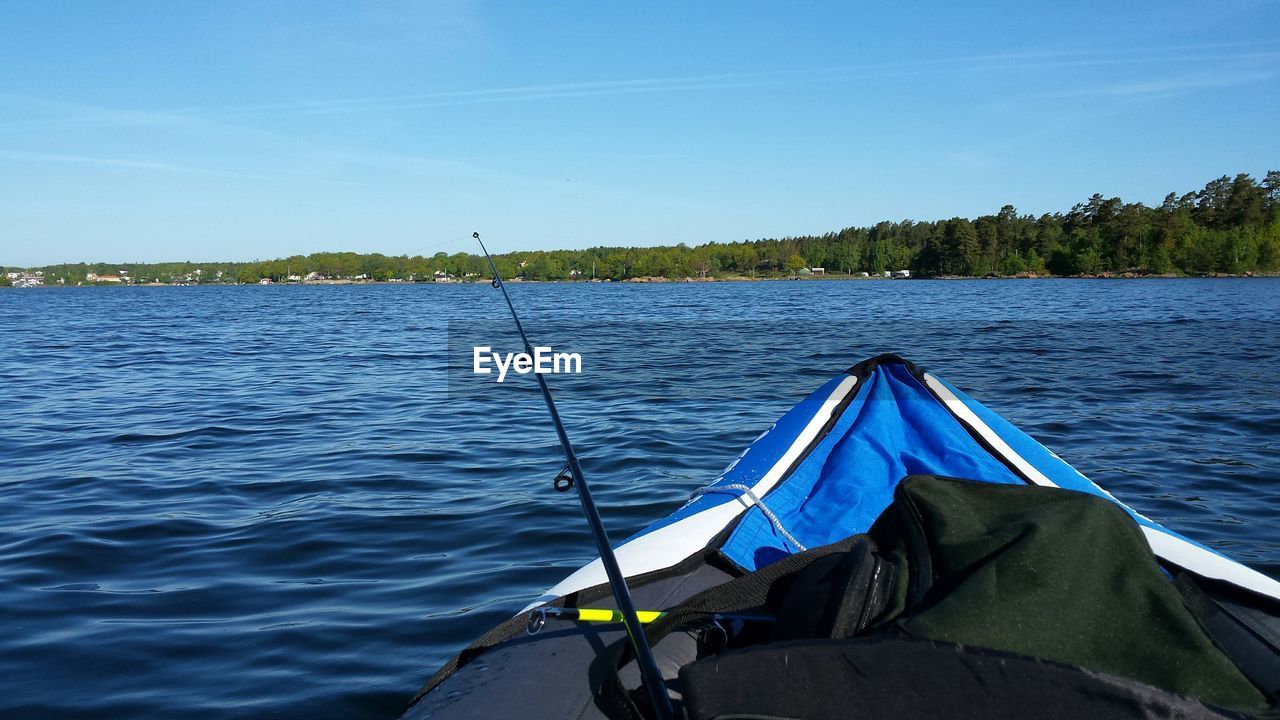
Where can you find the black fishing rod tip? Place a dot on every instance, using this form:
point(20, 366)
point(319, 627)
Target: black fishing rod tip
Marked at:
point(475, 235)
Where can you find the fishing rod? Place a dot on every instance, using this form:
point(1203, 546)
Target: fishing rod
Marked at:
point(572, 476)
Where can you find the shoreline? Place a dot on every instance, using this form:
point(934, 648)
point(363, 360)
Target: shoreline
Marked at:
point(684, 281)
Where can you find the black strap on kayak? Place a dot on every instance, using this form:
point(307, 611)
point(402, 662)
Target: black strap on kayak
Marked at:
point(649, 672)
point(1252, 642)
point(748, 593)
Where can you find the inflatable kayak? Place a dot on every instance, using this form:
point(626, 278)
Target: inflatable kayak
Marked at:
point(891, 548)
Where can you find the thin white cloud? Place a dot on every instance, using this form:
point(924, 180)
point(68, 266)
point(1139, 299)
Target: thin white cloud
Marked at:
point(93, 160)
point(148, 166)
point(51, 114)
point(1006, 62)
point(1219, 65)
point(1165, 87)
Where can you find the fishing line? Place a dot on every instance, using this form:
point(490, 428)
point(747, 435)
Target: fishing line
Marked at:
point(418, 252)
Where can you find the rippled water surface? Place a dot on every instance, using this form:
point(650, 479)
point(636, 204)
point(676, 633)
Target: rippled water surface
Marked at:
point(277, 501)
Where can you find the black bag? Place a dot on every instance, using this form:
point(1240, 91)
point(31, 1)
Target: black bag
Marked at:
point(835, 596)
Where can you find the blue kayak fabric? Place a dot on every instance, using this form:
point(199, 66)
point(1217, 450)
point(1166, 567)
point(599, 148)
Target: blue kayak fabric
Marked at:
point(890, 426)
point(894, 427)
point(759, 457)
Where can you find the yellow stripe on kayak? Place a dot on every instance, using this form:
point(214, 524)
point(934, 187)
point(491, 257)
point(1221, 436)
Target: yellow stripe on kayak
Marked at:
point(602, 615)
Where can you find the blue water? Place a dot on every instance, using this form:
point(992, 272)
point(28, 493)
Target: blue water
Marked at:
point(276, 501)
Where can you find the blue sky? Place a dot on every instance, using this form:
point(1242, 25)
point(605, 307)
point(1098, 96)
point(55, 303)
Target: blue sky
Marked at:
point(147, 131)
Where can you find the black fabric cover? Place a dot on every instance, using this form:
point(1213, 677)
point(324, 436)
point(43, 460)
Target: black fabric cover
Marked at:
point(836, 596)
point(895, 678)
point(1248, 634)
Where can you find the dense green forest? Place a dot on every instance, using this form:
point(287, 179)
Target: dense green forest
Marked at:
point(1232, 225)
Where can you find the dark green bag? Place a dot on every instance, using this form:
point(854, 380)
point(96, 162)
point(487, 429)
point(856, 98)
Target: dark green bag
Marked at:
point(1047, 573)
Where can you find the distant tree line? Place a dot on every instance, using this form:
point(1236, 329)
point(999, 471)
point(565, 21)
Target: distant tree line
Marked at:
point(1232, 225)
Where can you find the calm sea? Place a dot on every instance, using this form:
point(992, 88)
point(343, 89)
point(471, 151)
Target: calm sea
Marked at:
point(279, 501)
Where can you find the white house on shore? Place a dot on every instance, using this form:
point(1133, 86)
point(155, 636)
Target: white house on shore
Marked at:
point(26, 279)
